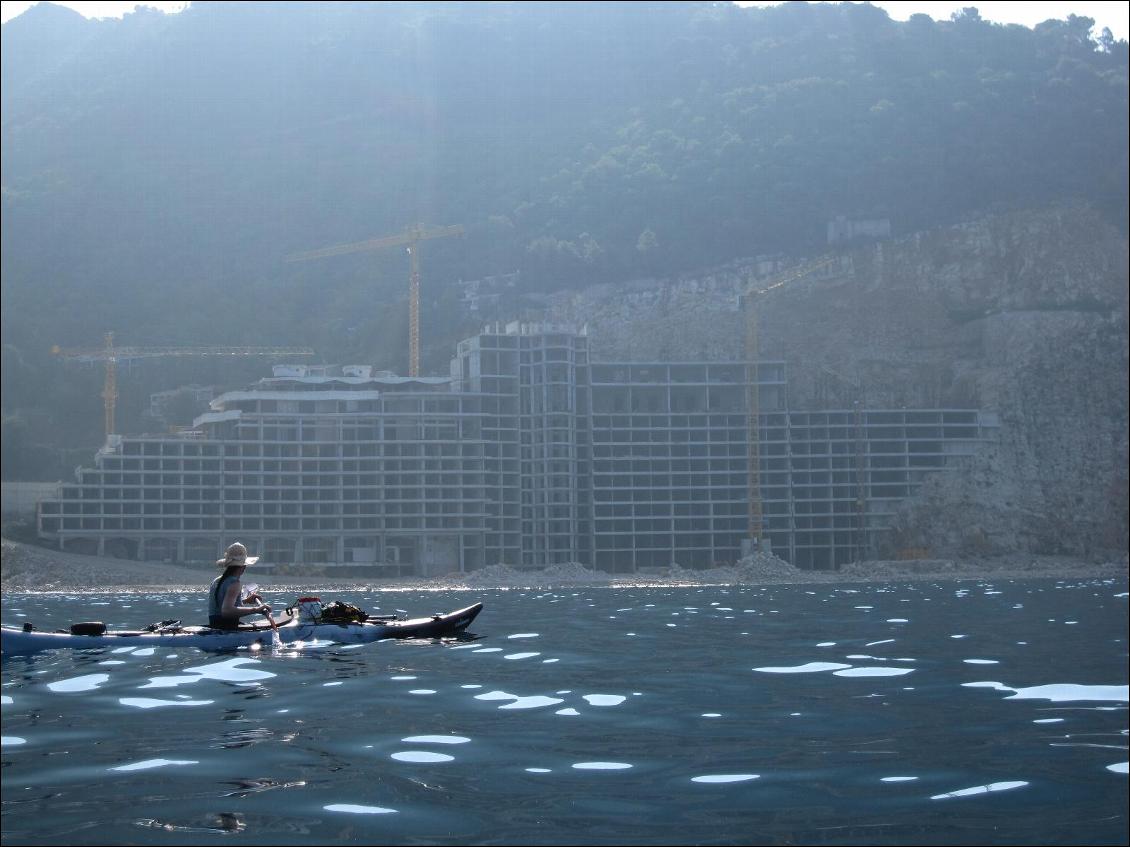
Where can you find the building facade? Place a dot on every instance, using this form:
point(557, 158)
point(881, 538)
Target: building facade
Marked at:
point(528, 454)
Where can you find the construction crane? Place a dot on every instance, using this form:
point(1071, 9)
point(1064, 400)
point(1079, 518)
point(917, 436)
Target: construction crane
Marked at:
point(411, 238)
point(111, 355)
point(753, 356)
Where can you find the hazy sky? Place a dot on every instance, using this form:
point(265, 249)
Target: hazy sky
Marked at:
point(1109, 13)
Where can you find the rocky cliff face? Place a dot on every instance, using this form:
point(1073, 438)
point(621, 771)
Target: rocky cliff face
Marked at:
point(1022, 314)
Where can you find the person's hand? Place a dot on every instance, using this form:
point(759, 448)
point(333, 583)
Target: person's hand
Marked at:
point(264, 609)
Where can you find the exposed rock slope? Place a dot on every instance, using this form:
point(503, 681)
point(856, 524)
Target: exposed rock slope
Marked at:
point(1023, 315)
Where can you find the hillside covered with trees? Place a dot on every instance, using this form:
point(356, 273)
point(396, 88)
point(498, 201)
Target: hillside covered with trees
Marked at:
point(158, 169)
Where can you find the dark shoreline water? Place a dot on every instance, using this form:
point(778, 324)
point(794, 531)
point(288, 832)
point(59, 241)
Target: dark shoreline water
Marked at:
point(901, 713)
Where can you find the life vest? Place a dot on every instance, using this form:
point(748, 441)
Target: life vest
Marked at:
point(216, 594)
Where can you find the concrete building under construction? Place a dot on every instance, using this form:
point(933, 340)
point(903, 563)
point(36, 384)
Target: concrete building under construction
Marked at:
point(527, 454)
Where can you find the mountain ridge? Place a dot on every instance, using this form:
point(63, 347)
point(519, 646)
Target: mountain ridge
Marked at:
point(157, 173)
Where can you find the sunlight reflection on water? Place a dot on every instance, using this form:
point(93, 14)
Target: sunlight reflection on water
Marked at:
point(670, 735)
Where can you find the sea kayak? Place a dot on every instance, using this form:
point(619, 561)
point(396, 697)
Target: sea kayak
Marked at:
point(291, 627)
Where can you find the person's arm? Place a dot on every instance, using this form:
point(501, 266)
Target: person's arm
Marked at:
point(231, 607)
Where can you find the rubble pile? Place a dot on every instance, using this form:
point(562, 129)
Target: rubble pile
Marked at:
point(30, 568)
point(755, 569)
point(765, 567)
point(896, 569)
point(572, 572)
point(492, 576)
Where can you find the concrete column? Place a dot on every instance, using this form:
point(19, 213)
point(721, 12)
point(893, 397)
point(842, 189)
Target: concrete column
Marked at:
point(339, 550)
point(299, 553)
point(101, 546)
point(180, 549)
point(141, 549)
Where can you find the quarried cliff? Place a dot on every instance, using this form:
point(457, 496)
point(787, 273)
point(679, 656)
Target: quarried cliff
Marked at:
point(1022, 315)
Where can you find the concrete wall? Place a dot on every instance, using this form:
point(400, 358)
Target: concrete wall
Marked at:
point(19, 499)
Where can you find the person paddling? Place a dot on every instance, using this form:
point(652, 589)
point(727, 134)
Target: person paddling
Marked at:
point(224, 595)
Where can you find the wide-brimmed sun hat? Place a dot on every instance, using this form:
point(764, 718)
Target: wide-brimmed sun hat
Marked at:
point(236, 554)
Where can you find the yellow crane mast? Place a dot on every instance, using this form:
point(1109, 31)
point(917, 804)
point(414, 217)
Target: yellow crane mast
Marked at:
point(111, 355)
point(411, 238)
point(753, 357)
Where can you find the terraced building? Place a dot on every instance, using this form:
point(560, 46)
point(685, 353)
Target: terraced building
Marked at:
point(527, 454)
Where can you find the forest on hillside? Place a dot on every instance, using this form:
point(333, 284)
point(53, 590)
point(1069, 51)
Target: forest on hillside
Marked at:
point(157, 169)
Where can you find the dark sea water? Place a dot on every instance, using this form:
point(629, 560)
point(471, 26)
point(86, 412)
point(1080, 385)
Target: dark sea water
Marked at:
point(907, 713)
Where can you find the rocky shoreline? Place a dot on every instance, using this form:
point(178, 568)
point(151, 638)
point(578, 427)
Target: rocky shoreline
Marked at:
point(27, 568)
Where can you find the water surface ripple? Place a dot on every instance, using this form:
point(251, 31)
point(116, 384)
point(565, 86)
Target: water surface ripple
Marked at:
point(900, 713)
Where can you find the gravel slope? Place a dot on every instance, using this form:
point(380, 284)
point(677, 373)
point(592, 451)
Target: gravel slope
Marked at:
point(25, 567)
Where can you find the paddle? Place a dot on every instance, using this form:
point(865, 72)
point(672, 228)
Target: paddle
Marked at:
point(251, 591)
point(276, 638)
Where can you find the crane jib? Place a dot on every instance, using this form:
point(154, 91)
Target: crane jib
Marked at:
point(410, 237)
